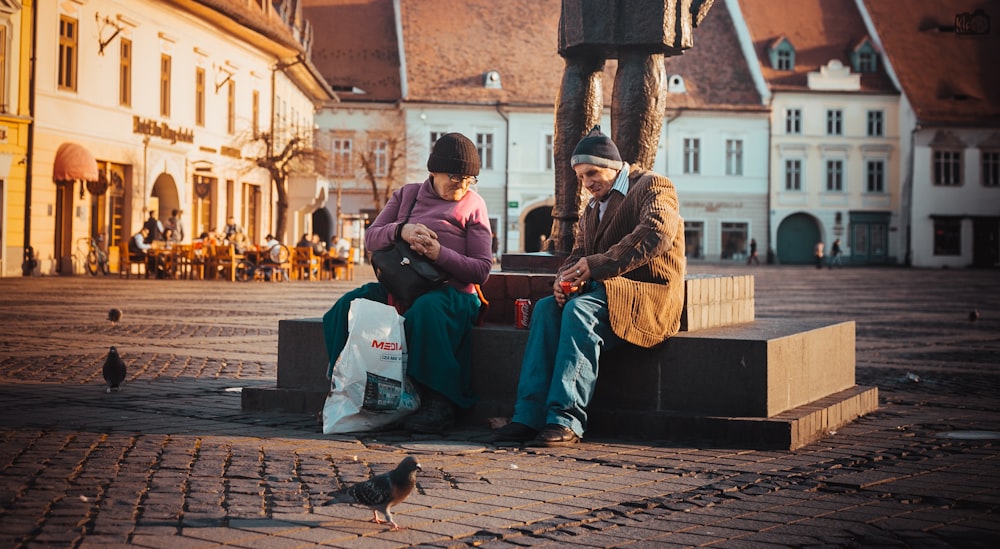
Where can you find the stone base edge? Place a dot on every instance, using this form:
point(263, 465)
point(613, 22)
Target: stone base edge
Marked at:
point(788, 430)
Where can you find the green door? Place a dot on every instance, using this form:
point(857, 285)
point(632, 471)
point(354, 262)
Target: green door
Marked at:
point(797, 237)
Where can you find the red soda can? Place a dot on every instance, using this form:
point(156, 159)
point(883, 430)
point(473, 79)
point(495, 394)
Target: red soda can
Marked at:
point(522, 313)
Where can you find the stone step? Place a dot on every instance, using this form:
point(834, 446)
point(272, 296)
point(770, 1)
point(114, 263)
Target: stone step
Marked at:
point(767, 383)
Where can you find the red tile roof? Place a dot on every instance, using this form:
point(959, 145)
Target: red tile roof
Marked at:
point(354, 45)
point(269, 24)
point(819, 30)
point(450, 46)
point(948, 79)
point(715, 71)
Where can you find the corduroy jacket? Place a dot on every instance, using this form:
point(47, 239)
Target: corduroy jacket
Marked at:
point(637, 251)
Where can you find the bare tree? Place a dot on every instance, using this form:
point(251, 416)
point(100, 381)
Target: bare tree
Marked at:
point(296, 155)
point(384, 162)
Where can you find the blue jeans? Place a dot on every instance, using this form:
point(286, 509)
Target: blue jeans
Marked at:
point(559, 371)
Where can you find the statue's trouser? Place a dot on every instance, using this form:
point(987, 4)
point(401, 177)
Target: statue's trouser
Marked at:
point(638, 106)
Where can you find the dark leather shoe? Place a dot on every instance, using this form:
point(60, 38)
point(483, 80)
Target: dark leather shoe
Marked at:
point(514, 432)
point(555, 435)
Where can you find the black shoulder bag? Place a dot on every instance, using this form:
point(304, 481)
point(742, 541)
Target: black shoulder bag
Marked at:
point(404, 273)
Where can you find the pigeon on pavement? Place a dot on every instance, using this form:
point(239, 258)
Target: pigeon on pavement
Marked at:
point(114, 370)
point(114, 315)
point(383, 491)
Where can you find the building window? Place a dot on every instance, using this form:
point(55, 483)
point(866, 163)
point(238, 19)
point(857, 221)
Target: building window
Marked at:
point(876, 176)
point(340, 157)
point(280, 116)
point(548, 153)
point(692, 154)
point(231, 107)
point(947, 236)
point(3, 70)
point(835, 122)
point(734, 157)
point(256, 113)
point(380, 157)
point(434, 138)
point(734, 239)
point(125, 73)
point(67, 52)
point(793, 175)
point(484, 142)
point(835, 175)
point(199, 96)
point(876, 123)
point(784, 59)
point(165, 85)
point(793, 121)
point(947, 168)
point(991, 168)
point(867, 61)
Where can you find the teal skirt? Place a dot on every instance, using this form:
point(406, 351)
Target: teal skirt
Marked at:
point(438, 329)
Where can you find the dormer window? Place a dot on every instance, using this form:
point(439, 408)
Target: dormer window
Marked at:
point(782, 55)
point(864, 57)
point(675, 84)
point(491, 79)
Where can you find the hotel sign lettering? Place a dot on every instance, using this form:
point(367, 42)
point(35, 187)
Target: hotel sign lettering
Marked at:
point(162, 130)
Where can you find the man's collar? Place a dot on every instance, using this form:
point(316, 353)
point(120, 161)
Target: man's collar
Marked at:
point(621, 185)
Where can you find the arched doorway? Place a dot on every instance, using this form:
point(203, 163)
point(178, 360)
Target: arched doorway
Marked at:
point(537, 224)
point(164, 196)
point(797, 237)
point(322, 224)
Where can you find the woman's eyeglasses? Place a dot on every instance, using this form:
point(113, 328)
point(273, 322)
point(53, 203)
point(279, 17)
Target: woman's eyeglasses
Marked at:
point(464, 180)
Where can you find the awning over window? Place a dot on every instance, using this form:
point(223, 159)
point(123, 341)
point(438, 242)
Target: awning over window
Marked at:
point(74, 163)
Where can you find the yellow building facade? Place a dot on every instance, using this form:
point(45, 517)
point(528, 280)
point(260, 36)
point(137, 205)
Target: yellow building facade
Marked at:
point(15, 124)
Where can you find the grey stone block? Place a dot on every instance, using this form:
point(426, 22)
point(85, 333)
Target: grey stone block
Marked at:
point(767, 383)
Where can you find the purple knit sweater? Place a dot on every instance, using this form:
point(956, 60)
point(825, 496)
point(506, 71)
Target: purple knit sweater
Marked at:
point(462, 227)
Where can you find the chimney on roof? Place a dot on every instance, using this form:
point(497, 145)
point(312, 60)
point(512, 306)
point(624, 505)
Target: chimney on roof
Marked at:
point(491, 79)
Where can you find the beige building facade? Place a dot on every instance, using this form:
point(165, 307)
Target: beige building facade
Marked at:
point(146, 107)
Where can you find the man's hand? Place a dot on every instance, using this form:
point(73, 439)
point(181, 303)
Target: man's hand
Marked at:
point(575, 276)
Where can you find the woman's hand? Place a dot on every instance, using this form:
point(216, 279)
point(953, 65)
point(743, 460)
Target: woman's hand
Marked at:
point(422, 240)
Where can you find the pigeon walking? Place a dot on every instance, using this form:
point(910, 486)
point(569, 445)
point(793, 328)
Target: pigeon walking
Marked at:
point(114, 370)
point(383, 491)
point(114, 315)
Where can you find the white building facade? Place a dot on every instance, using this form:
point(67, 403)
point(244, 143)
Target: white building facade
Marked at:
point(718, 162)
point(834, 174)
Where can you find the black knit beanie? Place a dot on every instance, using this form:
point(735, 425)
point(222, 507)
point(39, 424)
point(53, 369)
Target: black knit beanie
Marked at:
point(454, 153)
point(597, 149)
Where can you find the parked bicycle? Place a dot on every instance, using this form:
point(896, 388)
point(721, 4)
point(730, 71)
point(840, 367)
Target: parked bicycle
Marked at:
point(96, 259)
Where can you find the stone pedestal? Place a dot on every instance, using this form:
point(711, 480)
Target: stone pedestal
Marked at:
point(725, 379)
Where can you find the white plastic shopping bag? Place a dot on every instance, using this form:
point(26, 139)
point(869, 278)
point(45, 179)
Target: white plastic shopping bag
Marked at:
point(369, 388)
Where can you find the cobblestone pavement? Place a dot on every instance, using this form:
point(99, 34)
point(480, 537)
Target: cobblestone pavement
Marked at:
point(172, 461)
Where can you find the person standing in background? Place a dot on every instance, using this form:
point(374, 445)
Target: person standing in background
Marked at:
point(174, 223)
point(835, 252)
point(753, 253)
